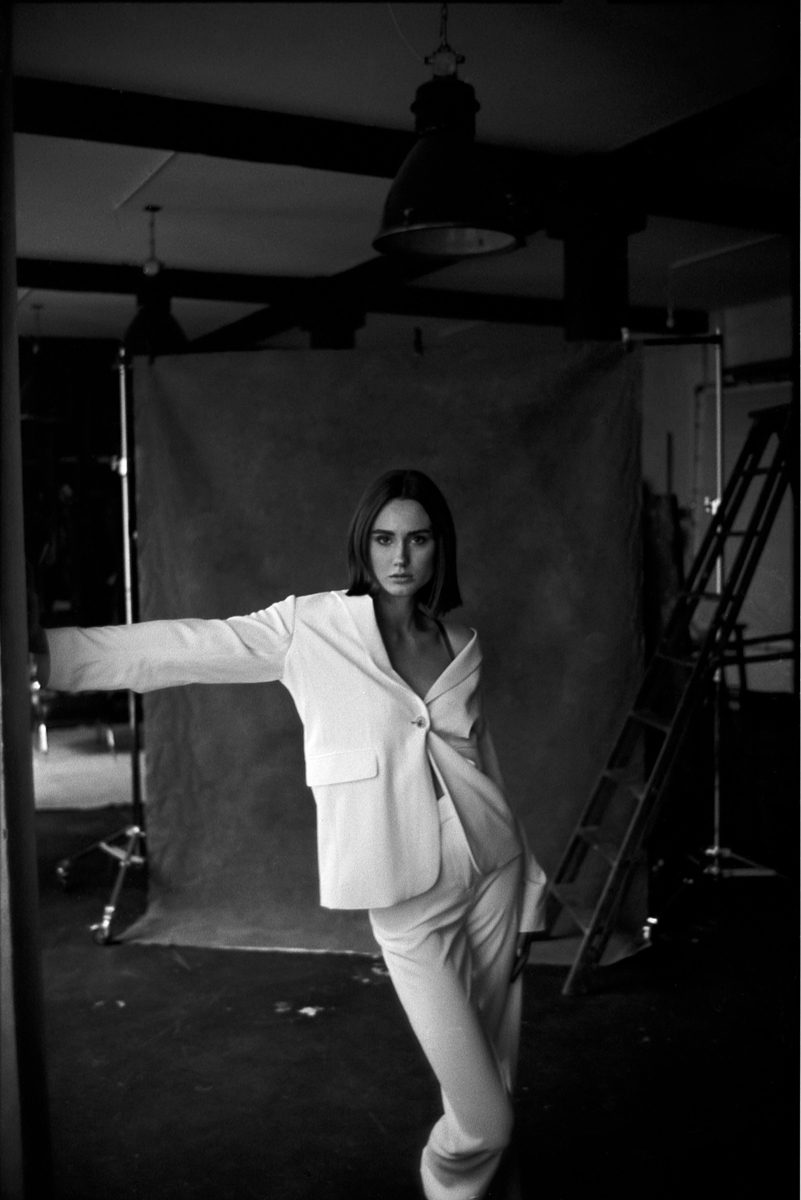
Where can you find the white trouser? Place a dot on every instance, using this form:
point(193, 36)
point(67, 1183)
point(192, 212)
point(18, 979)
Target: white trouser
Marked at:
point(449, 954)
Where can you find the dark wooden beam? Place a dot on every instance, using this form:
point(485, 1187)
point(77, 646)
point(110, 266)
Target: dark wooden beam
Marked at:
point(437, 303)
point(380, 285)
point(197, 127)
point(734, 164)
point(94, 114)
point(117, 117)
point(124, 279)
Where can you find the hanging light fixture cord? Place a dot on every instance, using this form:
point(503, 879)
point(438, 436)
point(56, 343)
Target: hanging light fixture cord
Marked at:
point(152, 266)
point(443, 203)
point(444, 59)
point(419, 57)
point(443, 27)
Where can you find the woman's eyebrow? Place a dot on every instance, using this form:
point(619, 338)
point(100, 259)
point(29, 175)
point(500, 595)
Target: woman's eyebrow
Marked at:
point(412, 532)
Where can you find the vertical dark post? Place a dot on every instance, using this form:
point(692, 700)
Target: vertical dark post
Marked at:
point(29, 1173)
point(332, 318)
point(794, 497)
point(594, 211)
point(596, 284)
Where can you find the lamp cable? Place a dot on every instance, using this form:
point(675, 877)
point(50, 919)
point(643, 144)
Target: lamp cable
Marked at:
point(420, 57)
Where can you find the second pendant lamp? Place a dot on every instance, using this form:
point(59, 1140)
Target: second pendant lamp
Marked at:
point(154, 330)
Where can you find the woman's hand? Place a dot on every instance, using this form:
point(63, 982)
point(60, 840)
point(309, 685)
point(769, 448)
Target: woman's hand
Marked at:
point(524, 941)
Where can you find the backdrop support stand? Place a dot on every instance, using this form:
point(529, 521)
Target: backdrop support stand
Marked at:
point(127, 845)
point(718, 861)
point(722, 862)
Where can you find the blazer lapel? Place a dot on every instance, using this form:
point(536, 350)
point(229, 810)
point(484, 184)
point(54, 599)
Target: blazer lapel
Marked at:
point(361, 611)
point(466, 662)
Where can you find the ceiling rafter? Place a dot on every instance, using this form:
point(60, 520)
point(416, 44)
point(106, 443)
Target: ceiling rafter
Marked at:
point(123, 279)
point(378, 287)
point(735, 164)
point(123, 118)
point(674, 171)
point(116, 117)
point(667, 173)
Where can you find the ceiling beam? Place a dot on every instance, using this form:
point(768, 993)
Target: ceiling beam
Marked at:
point(123, 279)
point(732, 164)
point(378, 286)
point(121, 118)
point(735, 164)
point(437, 303)
point(56, 275)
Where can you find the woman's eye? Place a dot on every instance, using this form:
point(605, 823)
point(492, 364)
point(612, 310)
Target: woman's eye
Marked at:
point(382, 539)
point(421, 539)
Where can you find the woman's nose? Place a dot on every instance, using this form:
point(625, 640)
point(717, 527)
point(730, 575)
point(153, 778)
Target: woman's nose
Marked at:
point(401, 553)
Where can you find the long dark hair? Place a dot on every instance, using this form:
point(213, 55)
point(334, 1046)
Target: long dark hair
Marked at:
point(441, 594)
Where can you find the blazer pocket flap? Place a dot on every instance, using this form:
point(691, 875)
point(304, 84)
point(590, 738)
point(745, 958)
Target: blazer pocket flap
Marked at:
point(346, 766)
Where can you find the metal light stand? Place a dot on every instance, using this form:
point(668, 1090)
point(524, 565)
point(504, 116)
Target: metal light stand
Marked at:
point(720, 861)
point(127, 845)
point(716, 860)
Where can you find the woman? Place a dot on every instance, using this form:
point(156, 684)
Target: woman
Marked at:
point(412, 823)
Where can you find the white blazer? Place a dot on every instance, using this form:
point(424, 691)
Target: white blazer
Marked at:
point(369, 740)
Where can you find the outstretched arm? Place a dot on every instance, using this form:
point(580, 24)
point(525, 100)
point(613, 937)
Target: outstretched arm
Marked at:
point(158, 654)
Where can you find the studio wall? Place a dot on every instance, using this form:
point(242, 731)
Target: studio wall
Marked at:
point(248, 467)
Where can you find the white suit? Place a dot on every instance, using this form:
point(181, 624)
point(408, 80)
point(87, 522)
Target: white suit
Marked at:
point(448, 881)
point(368, 738)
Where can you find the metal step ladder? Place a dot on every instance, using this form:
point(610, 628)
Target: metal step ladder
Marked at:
point(605, 848)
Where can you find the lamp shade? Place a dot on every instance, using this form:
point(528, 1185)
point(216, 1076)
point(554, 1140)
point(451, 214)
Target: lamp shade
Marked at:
point(444, 201)
point(154, 330)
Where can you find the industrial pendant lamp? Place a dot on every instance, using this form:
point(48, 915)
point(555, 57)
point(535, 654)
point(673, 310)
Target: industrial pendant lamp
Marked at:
point(443, 202)
point(154, 330)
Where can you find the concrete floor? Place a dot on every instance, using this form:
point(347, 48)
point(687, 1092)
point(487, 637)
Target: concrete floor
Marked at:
point(229, 1075)
point(82, 766)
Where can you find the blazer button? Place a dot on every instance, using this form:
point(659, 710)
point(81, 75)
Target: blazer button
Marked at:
point(420, 722)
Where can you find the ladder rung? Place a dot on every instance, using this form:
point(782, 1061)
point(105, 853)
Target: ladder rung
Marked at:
point(651, 719)
point(569, 896)
point(624, 776)
point(603, 846)
point(675, 660)
point(630, 781)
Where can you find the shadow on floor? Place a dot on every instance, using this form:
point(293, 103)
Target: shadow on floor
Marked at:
point(231, 1075)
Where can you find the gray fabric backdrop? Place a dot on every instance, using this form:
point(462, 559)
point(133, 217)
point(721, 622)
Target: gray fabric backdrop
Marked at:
point(248, 467)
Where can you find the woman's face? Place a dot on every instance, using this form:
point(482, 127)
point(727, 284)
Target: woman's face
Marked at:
point(402, 548)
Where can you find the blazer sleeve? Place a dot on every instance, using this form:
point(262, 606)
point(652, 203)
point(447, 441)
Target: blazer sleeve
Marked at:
point(532, 916)
point(160, 654)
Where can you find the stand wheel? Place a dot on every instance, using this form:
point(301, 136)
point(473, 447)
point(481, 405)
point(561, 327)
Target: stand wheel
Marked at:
point(63, 872)
point(101, 935)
